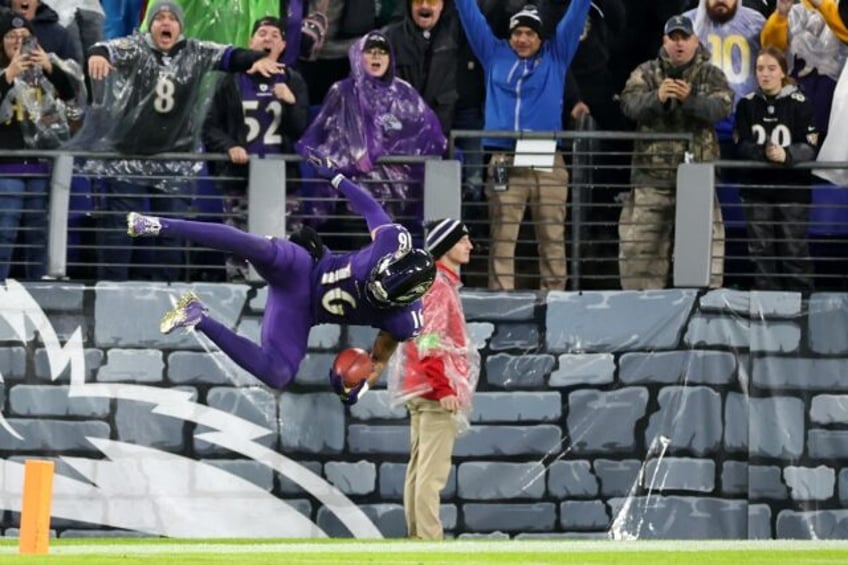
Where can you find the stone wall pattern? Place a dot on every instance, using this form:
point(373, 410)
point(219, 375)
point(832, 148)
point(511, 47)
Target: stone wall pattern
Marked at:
point(662, 414)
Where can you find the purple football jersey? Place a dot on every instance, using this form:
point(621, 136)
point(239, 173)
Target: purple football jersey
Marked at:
point(338, 291)
point(263, 114)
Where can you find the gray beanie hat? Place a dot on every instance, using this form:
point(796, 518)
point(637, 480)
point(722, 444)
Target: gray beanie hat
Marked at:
point(165, 6)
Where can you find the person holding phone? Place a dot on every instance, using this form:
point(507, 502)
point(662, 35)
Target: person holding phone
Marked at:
point(678, 92)
point(31, 81)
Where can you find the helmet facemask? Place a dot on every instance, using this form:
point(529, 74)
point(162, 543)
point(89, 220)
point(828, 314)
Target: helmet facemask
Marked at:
point(395, 282)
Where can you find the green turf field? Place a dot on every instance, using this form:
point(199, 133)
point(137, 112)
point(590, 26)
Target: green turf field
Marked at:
point(351, 552)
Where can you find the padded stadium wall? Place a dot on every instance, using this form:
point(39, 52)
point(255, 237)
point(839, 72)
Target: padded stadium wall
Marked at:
point(624, 415)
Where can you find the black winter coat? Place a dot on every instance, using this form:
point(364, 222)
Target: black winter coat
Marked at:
point(438, 63)
point(786, 120)
point(225, 127)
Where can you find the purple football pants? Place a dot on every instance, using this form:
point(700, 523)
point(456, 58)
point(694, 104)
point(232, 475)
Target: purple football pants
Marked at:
point(285, 326)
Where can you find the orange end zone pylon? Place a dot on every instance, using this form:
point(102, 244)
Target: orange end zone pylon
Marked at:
point(35, 510)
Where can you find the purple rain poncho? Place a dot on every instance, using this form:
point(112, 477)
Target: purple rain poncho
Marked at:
point(364, 118)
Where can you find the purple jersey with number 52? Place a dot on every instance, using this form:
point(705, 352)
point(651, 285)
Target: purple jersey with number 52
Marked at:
point(263, 113)
point(338, 287)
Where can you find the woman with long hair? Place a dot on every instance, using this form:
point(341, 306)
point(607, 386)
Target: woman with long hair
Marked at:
point(775, 125)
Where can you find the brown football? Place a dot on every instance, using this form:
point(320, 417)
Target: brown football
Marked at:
point(353, 365)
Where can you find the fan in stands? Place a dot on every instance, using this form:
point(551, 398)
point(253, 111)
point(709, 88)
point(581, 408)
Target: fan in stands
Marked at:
point(353, 365)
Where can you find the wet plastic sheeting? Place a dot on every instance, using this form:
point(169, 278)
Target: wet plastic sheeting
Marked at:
point(611, 415)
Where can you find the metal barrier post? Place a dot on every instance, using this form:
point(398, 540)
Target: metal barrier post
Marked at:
point(582, 182)
point(57, 226)
point(580, 179)
point(442, 190)
point(266, 196)
point(693, 224)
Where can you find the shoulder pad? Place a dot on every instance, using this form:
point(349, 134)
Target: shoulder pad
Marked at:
point(393, 227)
point(395, 231)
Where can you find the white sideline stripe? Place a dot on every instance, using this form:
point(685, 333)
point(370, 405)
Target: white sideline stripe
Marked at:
point(460, 546)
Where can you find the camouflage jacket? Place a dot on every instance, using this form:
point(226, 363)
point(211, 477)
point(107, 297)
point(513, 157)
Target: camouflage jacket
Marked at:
point(711, 100)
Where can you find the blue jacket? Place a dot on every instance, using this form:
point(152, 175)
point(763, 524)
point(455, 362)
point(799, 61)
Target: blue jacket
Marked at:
point(523, 94)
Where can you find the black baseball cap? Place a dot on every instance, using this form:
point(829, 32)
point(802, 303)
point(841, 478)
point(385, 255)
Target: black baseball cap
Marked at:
point(376, 40)
point(681, 24)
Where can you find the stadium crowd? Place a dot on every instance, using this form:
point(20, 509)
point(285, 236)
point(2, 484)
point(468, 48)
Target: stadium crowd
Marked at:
point(360, 80)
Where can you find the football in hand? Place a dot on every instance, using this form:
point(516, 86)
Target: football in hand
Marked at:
point(353, 365)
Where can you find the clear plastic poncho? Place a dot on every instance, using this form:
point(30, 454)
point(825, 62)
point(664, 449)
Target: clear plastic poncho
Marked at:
point(445, 337)
point(144, 107)
point(50, 118)
point(812, 40)
point(364, 118)
point(733, 45)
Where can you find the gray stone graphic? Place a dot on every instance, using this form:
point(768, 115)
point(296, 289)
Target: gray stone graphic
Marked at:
point(663, 414)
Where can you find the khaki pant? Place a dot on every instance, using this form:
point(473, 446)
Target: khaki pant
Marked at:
point(546, 194)
point(645, 230)
point(432, 435)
